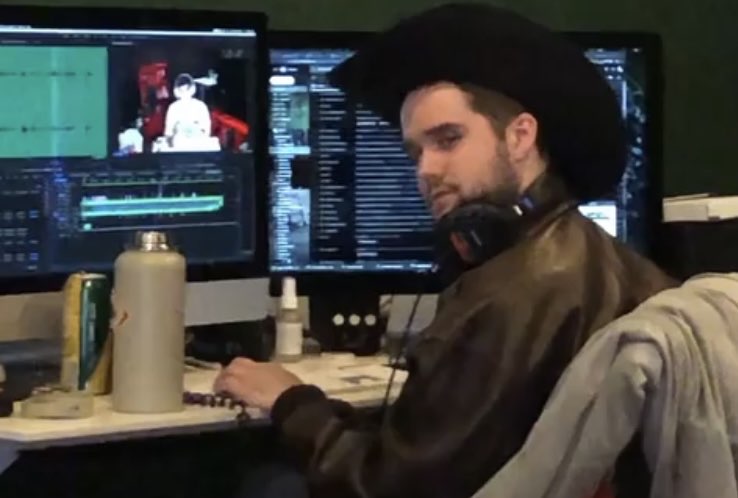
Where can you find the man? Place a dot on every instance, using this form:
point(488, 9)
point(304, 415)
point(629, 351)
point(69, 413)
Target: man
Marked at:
point(511, 128)
point(187, 117)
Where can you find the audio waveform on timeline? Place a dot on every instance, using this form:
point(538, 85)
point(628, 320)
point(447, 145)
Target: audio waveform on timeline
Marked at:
point(99, 207)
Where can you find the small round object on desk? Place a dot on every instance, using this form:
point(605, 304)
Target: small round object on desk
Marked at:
point(354, 320)
point(338, 320)
point(370, 320)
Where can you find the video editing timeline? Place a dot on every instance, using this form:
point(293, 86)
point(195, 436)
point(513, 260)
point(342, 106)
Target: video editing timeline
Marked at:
point(91, 151)
point(345, 195)
point(195, 199)
point(108, 198)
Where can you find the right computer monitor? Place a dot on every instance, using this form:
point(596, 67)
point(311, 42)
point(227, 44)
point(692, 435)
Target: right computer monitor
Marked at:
point(631, 62)
point(344, 194)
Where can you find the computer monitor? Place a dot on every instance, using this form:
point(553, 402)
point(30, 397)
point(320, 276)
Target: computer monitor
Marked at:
point(343, 198)
point(346, 216)
point(114, 121)
point(632, 64)
point(344, 195)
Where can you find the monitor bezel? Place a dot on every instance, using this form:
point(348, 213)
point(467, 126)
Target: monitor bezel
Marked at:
point(652, 45)
point(168, 19)
point(416, 283)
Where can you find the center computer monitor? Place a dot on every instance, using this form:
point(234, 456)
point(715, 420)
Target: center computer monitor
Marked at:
point(114, 121)
point(344, 196)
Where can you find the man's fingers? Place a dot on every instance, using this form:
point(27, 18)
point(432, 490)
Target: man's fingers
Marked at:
point(219, 384)
point(242, 362)
point(230, 385)
point(226, 382)
point(240, 366)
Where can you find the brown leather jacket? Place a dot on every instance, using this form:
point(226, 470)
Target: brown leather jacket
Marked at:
point(480, 374)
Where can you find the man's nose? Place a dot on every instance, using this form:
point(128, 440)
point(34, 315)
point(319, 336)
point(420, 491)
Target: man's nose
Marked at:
point(430, 167)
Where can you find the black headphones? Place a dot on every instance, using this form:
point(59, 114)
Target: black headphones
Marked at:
point(489, 228)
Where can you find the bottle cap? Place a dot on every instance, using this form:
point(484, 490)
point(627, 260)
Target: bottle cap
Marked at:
point(152, 241)
point(289, 293)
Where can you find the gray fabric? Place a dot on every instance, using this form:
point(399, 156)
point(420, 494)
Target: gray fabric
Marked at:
point(671, 368)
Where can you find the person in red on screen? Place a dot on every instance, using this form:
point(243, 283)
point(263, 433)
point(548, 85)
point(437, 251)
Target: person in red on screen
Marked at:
point(511, 128)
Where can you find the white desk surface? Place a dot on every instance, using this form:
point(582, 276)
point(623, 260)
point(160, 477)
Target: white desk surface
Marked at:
point(360, 381)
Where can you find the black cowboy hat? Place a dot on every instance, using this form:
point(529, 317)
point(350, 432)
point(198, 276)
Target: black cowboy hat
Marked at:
point(490, 47)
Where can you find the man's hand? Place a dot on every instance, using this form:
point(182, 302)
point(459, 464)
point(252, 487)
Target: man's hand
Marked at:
point(256, 384)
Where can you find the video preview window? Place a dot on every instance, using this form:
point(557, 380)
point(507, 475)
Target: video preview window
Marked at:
point(180, 98)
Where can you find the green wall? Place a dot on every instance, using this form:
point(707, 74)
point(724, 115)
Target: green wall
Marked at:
point(701, 57)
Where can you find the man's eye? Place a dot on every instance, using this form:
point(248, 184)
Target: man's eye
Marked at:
point(446, 143)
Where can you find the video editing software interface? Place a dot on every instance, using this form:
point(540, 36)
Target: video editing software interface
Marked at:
point(344, 192)
point(107, 132)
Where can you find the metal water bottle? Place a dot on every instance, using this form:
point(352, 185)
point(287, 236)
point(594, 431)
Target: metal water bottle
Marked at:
point(149, 336)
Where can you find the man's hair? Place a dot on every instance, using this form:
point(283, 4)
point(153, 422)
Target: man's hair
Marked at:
point(183, 79)
point(500, 110)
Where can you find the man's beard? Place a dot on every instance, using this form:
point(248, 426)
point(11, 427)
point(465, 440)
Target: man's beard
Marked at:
point(506, 187)
point(502, 189)
point(504, 192)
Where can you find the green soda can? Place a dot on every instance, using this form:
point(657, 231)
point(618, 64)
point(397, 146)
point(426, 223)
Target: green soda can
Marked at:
point(87, 341)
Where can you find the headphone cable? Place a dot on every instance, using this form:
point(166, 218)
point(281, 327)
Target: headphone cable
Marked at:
point(404, 338)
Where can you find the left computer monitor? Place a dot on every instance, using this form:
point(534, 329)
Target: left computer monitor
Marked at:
point(120, 120)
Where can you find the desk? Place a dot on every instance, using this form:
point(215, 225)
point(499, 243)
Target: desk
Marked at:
point(359, 381)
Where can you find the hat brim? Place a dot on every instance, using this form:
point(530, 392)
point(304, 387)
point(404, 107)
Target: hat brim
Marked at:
point(493, 48)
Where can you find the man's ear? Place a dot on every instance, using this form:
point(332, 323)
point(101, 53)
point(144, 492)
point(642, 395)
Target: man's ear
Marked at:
point(521, 135)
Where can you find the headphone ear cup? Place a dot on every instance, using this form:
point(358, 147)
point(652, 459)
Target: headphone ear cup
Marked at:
point(484, 230)
point(462, 246)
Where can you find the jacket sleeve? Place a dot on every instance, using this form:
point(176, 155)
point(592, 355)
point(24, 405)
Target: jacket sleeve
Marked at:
point(469, 402)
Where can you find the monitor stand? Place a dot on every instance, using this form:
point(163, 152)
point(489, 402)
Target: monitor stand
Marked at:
point(347, 321)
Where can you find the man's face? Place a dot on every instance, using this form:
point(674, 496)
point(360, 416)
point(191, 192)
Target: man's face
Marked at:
point(458, 154)
point(184, 91)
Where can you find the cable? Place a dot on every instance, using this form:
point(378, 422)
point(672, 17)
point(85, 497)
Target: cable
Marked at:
point(395, 362)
